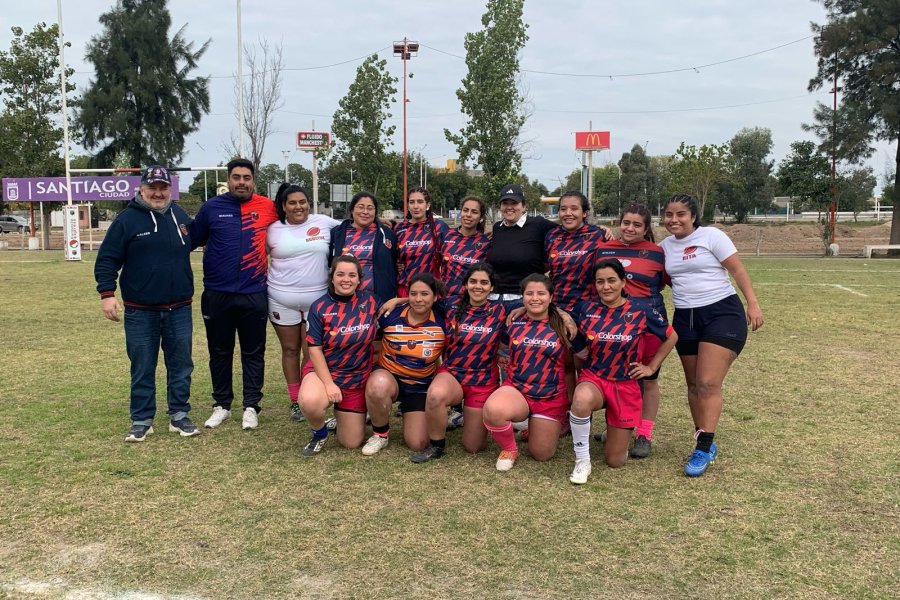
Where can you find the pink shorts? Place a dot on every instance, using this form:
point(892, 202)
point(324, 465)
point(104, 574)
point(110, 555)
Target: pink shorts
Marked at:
point(554, 408)
point(474, 396)
point(353, 399)
point(651, 345)
point(622, 400)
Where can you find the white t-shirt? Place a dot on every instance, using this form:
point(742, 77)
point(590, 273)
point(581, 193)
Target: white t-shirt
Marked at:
point(299, 254)
point(695, 265)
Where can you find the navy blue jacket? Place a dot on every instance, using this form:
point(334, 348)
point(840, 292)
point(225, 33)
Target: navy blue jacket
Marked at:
point(384, 257)
point(153, 252)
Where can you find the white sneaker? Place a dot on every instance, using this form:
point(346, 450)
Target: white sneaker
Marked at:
point(581, 472)
point(506, 460)
point(250, 420)
point(219, 416)
point(374, 445)
point(520, 425)
point(331, 423)
point(454, 419)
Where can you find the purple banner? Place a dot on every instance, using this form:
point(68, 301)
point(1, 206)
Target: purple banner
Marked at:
point(84, 189)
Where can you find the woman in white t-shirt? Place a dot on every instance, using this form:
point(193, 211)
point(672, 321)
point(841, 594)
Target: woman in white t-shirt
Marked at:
point(709, 319)
point(297, 244)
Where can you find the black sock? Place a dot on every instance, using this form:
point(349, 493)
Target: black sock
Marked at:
point(381, 430)
point(439, 443)
point(704, 440)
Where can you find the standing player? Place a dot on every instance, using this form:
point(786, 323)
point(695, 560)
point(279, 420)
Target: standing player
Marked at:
point(412, 341)
point(612, 327)
point(233, 227)
point(419, 239)
point(535, 386)
point(464, 246)
point(297, 244)
point(372, 243)
point(709, 317)
point(342, 327)
point(645, 265)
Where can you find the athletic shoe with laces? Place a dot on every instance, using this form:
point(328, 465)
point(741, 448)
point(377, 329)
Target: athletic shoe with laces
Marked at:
point(374, 445)
point(507, 459)
point(700, 461)
point(138, 433)
point(641, 447)
point(454, 419)
point(429, 453)
point(314, 446)
point(297, 414)
point(600, 436)
point(183, 427)
point(331, 423)
point(250, 419)
point(581, 472)
point(219, 416)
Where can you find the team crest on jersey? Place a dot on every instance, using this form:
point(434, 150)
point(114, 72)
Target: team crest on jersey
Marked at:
point(690, 250)
point(275, 315)
point(183, 228)
point(254, 215)
point(313, 231)
point(644, 253)
point(625, 262)
point(387, 244)
point(629, 317)
point(411, 344)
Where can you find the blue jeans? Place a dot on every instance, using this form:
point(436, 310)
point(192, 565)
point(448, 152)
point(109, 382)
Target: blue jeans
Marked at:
point(144, 331)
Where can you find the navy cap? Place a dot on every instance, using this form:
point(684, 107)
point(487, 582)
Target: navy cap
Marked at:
point(155, 174)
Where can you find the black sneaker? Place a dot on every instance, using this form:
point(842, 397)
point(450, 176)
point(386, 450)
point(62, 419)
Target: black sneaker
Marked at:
point(138, 433)
point(296, 413)
point(314, 446)
point(183, 427)
point(429, 453)
point(600, 436)
point(641, 448)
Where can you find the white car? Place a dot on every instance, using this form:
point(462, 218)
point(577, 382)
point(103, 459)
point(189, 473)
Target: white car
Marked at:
point(12, 223)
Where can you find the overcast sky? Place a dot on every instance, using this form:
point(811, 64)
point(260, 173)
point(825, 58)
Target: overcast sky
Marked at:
point(588, 40)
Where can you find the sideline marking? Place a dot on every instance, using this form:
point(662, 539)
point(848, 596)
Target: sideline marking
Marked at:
point(834, 285)
point(846, 289)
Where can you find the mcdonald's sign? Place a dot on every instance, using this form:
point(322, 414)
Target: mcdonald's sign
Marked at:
point(592, 140)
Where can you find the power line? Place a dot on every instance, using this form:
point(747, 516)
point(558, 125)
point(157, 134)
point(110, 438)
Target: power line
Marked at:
point(695, 68)
point(677, 110)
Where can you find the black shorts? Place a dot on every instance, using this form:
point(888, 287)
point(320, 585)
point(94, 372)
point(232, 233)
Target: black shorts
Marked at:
point(723, 323)
point(411, 398)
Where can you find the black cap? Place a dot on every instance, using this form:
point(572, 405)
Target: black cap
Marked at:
point(512, 192)
point(155, 174)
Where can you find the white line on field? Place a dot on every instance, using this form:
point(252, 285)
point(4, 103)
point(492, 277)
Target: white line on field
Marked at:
point(846, 289)
point(834, 285)
point(828, 270)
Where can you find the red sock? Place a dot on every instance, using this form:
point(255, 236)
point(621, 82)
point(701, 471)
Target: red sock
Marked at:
point(504, 436)
point(293, 392)
point(645, 429)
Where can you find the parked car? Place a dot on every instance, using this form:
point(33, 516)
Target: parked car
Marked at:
point(12, 223)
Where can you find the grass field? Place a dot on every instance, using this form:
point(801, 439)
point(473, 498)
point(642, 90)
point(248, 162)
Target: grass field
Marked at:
point(802, 502)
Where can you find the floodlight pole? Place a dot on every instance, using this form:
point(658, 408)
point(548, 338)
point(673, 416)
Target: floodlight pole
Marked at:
point(832, 212)
point(405, 50)
point(240, 67)
point(73, 233)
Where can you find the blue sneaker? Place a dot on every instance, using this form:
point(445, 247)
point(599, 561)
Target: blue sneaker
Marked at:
point(700, 461)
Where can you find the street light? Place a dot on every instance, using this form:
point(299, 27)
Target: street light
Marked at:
point(405, 49)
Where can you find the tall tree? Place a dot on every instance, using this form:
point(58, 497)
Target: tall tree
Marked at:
point(696, 171)
point(860, 42)
point(490, 97)
point(806, 175)
point(635, 167)
point(144, 101)
point(846, 134)
point(360, 127)
point(747, 186)
point(854, 190)
point(31, 142)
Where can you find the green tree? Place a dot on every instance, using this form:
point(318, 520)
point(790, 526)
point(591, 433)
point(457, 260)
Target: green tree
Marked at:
point(658, 180)
point(635, 167)
point(607, 197)
point(360, 127)
point(845, 134)
point(144, 101)
point(806, 175)
point(854, 190)
point(861, 43)
point(448, 189)
point(31, 142)
point(696, 171)
point(747, 186)
point(490, 98)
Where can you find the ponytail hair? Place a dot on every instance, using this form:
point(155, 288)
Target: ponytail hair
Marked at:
point(556, 320)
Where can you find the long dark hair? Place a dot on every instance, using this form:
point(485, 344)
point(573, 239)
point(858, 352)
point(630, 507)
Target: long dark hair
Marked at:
point(285, 190)
point(436, 242)
point(688, 201)
point(610, 263)
point(343, 258)
point(482, 208)
point(359, 196)
point(644, 213)
point(556, 321)
point(464, 301)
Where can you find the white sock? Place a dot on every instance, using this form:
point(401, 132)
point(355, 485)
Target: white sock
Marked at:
point(581, 431)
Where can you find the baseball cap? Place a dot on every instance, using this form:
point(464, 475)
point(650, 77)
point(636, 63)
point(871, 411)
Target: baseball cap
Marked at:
point(155, 174)
point(512, 192)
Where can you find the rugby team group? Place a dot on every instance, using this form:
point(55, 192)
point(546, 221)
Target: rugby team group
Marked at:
point(523, 332)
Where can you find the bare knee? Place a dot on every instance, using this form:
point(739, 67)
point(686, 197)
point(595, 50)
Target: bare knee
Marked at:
point(541, 454)
point(706, 388)
point(581, 405)
point(615, 462)
point(433, 400)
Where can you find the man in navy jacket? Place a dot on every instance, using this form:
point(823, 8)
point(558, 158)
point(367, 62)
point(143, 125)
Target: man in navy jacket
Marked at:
point(150, 243)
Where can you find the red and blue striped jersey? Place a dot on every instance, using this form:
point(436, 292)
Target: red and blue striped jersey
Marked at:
point(361, 243)
point(472, 342)
point(645, 265)
point(570, 256)
point(536, 359)
point(417, 247)
point(459, 253)
point(345, 330)
point(412, 352)
point(614, 335)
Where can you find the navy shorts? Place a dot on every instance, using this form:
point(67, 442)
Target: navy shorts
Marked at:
point(723, 323)
point(411, 398)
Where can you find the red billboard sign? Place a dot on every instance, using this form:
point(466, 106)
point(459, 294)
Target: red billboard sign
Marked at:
point(592, 140)
point(311, 140)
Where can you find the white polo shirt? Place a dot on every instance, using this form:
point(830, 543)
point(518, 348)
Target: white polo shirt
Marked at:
point(695, 265)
